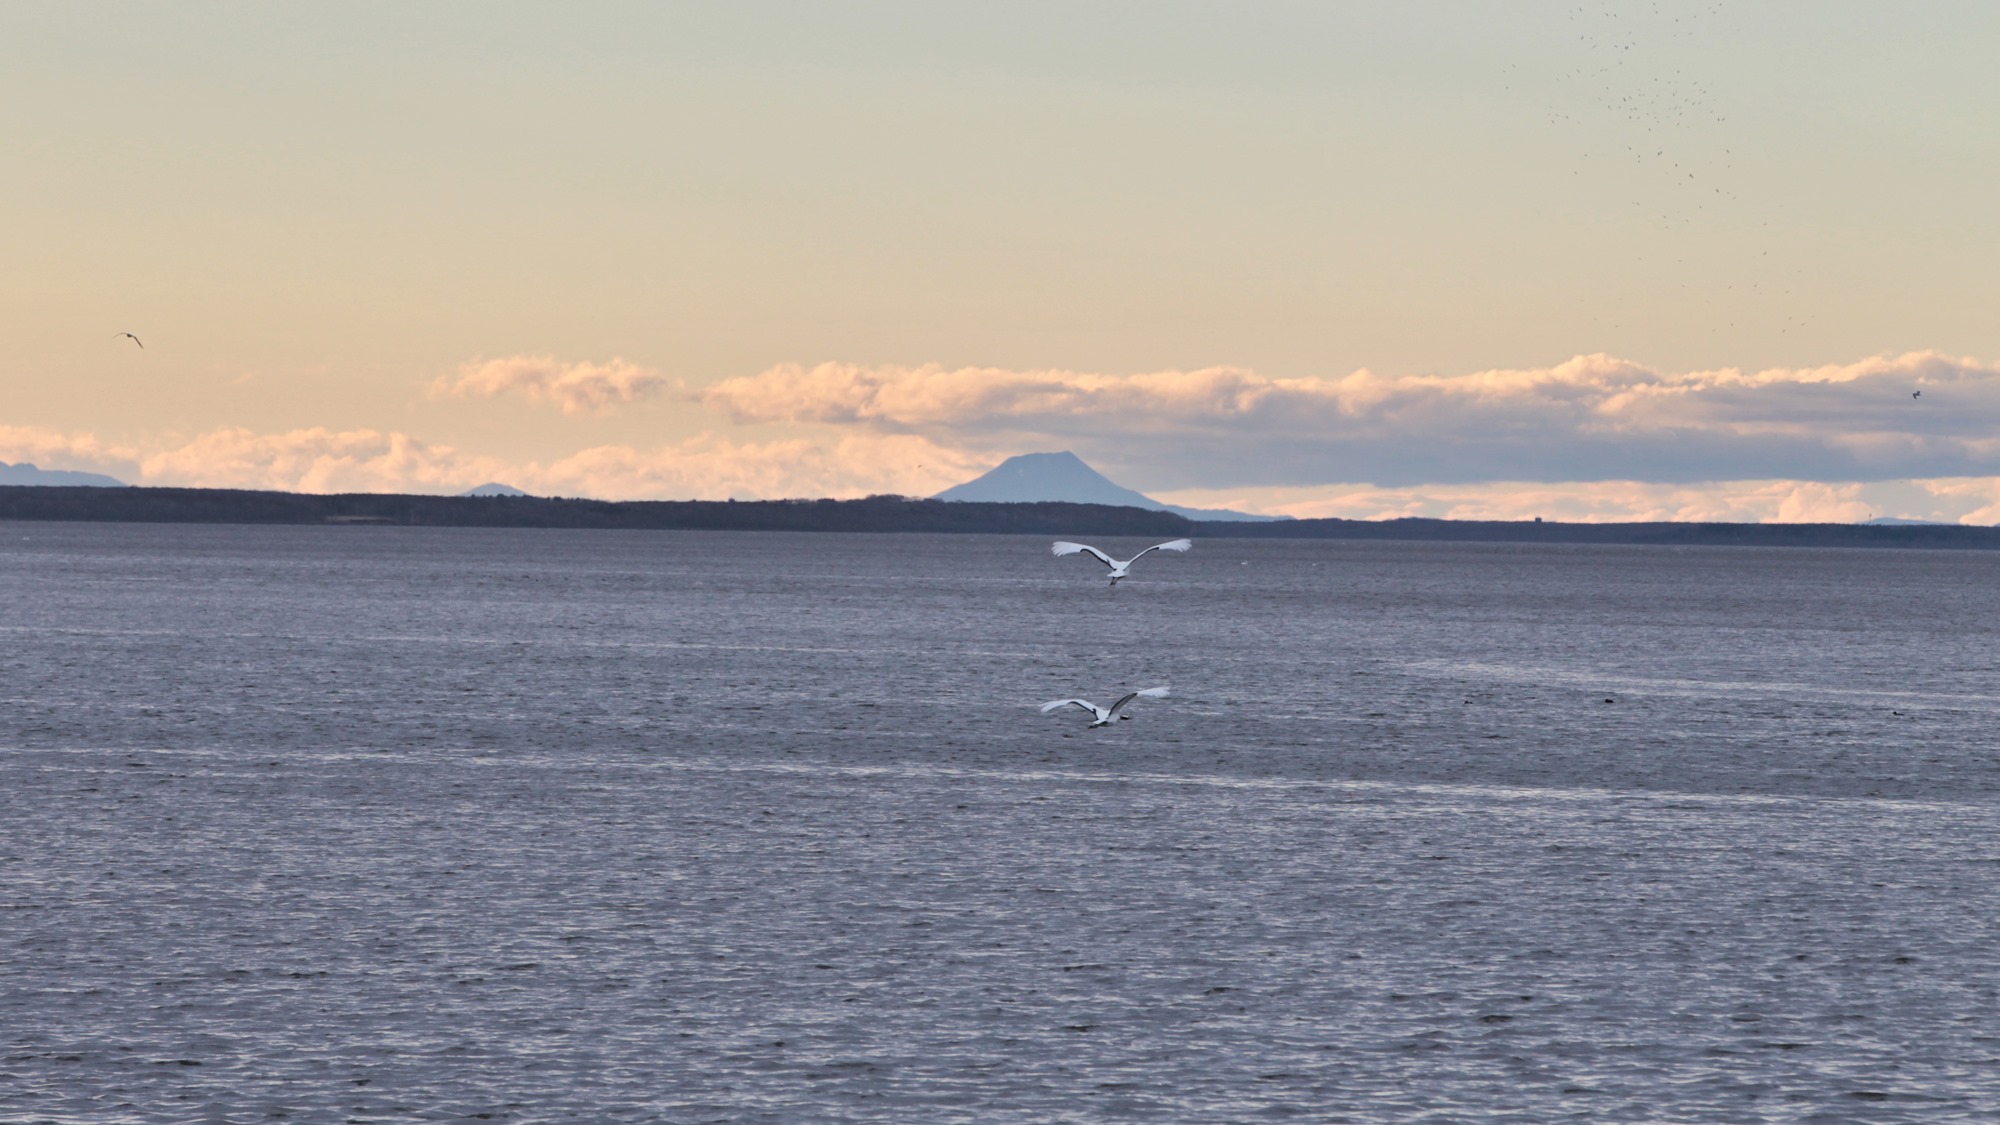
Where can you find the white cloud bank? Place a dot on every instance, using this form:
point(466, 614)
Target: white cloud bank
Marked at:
point(578, 388)
point(861, 464)
point(1595, 438)
point(1591, 418)
point(321, 460)
point(1972, 500)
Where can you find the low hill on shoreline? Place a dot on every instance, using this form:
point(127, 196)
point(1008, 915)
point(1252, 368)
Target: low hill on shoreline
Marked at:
point(1943, 535)
point(876, 513)
point(904, 514)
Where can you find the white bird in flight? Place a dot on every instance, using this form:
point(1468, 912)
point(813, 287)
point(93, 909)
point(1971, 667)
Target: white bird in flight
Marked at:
point(1118, 569)
point(1106, 715)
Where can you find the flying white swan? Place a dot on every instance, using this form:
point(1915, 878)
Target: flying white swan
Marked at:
point(1106, 715)
point(1118, 569)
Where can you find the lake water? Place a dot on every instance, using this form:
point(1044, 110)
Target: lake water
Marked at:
point(368, 824)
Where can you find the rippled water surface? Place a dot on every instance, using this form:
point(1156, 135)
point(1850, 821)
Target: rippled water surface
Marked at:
point(363, 824)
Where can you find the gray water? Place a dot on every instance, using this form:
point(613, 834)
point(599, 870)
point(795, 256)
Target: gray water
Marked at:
point(365, 824)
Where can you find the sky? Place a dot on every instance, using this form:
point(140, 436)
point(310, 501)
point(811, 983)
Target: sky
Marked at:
point(1581, 260)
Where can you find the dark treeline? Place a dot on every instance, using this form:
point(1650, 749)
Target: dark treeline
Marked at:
point(896, 513)
point(876, 513)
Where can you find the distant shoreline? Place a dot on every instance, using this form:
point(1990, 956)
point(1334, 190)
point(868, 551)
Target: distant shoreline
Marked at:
point(902, 514)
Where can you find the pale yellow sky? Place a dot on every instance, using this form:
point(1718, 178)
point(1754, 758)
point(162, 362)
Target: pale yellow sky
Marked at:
point(312, 215)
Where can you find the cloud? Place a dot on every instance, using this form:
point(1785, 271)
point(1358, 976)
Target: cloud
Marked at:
point(53, 449)
point(714, 468)
point(1592, 417)
point(579, 388)
point(307, 460)
point(1594, 438)
point(322, 460)
point(860, 463)
point(316, 460)
point(1947, 500)
point(1977, 498)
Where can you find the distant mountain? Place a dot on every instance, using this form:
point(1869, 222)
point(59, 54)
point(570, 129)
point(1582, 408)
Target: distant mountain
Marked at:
point(25, 473)
point(494, 488)
point(1036, 477)
point(1898, 521)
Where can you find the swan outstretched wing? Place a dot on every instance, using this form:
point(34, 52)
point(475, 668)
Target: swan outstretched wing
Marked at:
point(1118, 708)
point(1054, 704)
point(1064, 547)
point(1176, 545)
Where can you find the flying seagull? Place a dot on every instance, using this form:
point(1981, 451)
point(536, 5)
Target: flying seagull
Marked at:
point(135, 339)
point(1916, 394)
point(1118, 569)
point(1105, 715)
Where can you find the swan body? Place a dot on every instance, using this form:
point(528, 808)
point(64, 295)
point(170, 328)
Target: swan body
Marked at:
point(1119, 568)
point(1105, 716)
